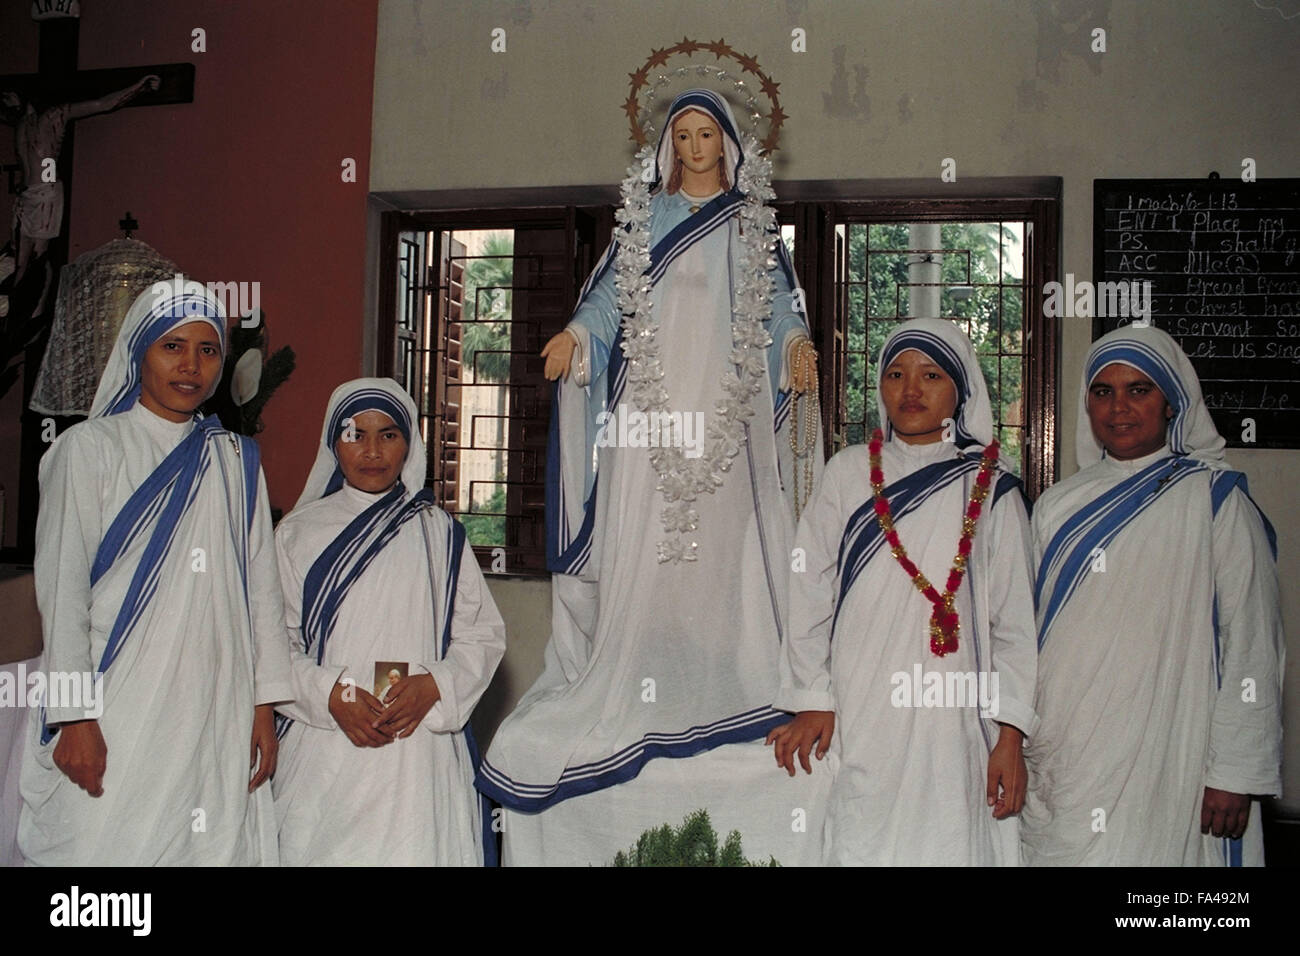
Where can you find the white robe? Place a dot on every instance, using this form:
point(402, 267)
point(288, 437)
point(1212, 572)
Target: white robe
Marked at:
point(667, 655)
point(911, 783)
point(1134, 723)
point(410, 802)
point(179, 698)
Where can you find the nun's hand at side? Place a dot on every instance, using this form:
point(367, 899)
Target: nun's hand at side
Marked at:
point(559, 355)
point(1225, 814)
point(265, 746)
point(1007, 777)
point(797, 738)
point(82, 755)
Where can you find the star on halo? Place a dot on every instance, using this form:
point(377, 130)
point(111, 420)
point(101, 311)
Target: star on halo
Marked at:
point(719, 48)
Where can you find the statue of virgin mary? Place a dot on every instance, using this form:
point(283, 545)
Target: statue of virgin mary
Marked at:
point(669, 550)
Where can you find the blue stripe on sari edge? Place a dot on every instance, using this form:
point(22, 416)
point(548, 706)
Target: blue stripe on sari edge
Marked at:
point(690, 231)
point(158, 546)
point(1214, 630)
point(782, 410)
point(317, 618)
point(1100, 534)
point(389, 515)
point(156, 485)
point(1222, 484)
point(626, 771)
point(329, 564)
point(1077, 522)
point(145, 518)
point(322, 580)
point(251, 455)
point(575, 554)
point(456, 548)
point(555, 518)
point(345, 575)
point(143, 585)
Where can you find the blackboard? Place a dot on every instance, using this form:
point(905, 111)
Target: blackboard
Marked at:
point(1223, 260)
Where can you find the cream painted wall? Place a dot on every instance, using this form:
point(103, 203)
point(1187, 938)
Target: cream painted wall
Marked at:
point(885, 89)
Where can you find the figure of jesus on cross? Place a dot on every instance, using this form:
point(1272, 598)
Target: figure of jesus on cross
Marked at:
point(39, 129)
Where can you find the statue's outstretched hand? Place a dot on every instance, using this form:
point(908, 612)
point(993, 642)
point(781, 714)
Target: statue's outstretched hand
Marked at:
point(559, 355)
point(803, 365)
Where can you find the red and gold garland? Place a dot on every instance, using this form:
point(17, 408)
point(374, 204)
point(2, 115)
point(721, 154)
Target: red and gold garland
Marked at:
point(943, 620)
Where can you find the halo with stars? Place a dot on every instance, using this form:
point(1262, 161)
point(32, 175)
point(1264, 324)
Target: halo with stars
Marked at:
point(655, 74)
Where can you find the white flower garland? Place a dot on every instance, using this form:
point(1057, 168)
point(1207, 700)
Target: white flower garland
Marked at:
point(683, 479)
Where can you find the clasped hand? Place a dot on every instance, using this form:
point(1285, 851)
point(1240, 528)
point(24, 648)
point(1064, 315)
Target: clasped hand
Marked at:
point(370, 723)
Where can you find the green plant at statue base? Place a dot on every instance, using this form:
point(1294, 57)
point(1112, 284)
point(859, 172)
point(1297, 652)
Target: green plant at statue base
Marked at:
point(694, 843)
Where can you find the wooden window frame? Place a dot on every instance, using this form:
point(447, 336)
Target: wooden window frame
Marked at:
point(814, 208)
point(820, 208)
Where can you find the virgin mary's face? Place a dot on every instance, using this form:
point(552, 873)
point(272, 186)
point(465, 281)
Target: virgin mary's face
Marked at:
point(697, 141)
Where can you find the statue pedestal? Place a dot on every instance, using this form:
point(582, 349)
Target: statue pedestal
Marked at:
point(739, 784)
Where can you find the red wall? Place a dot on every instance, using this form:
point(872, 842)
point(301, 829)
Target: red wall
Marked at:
point(243, 184)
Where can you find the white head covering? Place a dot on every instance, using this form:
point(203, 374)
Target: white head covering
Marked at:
point(948, 347)
point(710, 103)
point(349, 400)
point(1153, 352)
point(155, 312)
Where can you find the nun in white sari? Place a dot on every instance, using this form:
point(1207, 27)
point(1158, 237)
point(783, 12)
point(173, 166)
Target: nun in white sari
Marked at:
point(155, 567)
point(1160, 636)
point(914, 731)
point(663, 644)
point(370, 577)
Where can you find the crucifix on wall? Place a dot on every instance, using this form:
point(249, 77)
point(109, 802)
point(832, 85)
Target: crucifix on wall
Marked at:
point(43, 106)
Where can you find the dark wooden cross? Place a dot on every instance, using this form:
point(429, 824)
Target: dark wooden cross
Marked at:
point(59, 81)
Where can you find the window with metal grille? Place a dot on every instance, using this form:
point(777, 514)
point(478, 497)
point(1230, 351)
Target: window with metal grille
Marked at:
point(477, 295)
point(869, 265)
